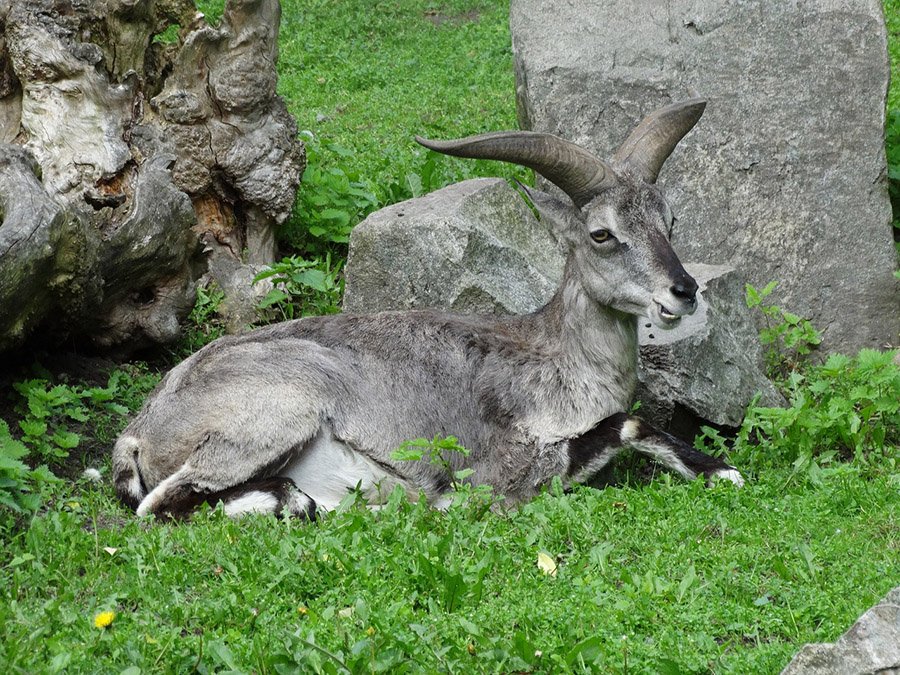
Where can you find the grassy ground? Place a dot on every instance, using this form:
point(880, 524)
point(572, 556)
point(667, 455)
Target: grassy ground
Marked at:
point(664, 576)
point(369, 76)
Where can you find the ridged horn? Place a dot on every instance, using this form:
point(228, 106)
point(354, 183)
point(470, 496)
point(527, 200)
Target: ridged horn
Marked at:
point(653, 140)
point(571, 168)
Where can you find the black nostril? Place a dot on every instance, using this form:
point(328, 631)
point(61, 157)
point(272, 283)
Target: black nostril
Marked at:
point(685, 289)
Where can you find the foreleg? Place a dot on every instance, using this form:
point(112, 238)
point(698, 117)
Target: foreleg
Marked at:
point(594, 449)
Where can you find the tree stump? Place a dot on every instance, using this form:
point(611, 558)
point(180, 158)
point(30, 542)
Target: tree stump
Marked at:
point(139, 147)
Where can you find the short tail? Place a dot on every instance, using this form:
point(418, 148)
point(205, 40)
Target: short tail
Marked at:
point(127, 478)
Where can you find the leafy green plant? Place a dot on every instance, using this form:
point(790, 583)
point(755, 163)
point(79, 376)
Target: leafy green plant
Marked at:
point(790, 338)
point(332, 199)
point(846, 409)
point(302, 288)
point(892, 150)
point(204, 324)
point(20, 485)
point(48, 410)
point(438, 452)
point(428, 171)
point(53, 421)
point(446, 454)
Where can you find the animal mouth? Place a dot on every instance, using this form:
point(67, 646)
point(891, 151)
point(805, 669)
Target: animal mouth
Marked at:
point(666, 316)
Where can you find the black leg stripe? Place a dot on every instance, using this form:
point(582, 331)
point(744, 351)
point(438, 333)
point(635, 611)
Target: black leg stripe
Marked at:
point(584, 448)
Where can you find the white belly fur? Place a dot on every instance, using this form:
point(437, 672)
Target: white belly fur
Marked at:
point(328, 469)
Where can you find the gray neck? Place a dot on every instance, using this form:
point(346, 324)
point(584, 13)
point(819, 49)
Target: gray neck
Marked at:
point(590, 336)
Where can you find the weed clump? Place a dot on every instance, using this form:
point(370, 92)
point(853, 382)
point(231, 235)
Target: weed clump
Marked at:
point(846, 409)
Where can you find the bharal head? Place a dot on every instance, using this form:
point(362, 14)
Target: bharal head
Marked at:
point(615, 217)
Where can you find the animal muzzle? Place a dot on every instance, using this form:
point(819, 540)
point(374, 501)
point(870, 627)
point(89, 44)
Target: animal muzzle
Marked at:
point(679, 300)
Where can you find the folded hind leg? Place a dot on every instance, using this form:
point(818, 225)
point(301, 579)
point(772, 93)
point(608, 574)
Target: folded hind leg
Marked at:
point(177, 497)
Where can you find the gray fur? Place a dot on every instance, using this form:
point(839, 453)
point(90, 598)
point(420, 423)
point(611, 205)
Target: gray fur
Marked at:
point(514, 390)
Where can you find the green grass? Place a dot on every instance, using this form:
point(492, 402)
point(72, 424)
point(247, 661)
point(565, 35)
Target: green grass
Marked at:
point(666, 577)
point(369, 76)
point(892, 19)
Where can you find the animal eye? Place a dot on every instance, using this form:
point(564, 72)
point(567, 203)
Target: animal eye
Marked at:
point(600, 236)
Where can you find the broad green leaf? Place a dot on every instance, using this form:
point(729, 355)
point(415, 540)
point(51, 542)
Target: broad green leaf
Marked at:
point(586, 650)
point(33, 428)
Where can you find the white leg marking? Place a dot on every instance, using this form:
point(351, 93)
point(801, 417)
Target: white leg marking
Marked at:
point(252, 502)
point(297, 504)
point(134, 486)
point(730, 474)
point(593, 467)
point(629, 430)
point(125, 453)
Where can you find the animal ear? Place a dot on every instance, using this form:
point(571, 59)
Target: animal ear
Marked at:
point(560, 214)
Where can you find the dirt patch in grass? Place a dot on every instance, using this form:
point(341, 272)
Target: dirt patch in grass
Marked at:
point(440, 18)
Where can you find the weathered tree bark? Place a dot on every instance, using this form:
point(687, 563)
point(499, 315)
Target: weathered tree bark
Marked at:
point(129, 165)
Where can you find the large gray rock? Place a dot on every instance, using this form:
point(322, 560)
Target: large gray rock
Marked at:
point(475, 247)
point(784, 177)
point(872, 645)
point(471, 247)
point(709, 366)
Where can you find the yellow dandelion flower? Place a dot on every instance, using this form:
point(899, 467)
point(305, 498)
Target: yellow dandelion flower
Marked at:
point(104, 619)
point(302, 609)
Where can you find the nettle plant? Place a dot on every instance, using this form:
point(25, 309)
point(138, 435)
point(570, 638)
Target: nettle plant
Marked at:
point(20, 485)
point(51, 419)
point(332, 198)
point(790, 338)
point(847, 409)
point(302, 288)
point(205, 322)
point(446, 453)
point(48, 410)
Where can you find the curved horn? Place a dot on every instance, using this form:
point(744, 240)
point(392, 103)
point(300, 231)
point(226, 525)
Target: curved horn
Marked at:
point(654, 139)
point(570, 167)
